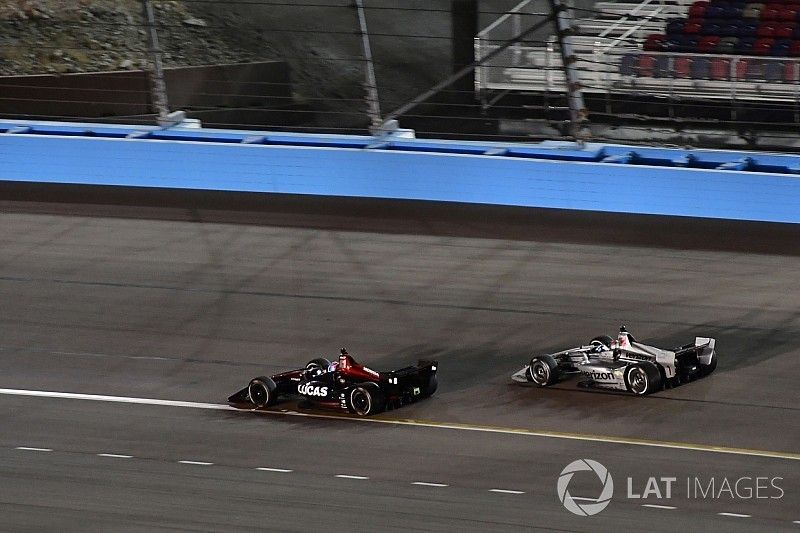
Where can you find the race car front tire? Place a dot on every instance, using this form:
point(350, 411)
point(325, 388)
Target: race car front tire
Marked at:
point(543, 370)
point(366, 399)
point(262, 391)
point(643, 378)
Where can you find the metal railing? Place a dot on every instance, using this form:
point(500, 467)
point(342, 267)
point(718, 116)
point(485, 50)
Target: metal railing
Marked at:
point(631, 70)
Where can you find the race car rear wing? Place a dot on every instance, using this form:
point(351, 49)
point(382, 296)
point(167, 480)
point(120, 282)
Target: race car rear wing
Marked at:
point(414, 374)
point(703, 347)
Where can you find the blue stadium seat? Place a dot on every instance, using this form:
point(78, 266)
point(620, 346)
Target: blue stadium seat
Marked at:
point(700, 68)
point(661, 69)
point(745, 45)
point(781, 47)
point(732, 12)
point(729, 30)
point(773, 71)
point(716, 11)
point(627, 67)
point(748, 30)
point(675, 27)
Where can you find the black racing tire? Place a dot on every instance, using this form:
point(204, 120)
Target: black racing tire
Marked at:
point(710, 367)
point(543, 370)
point(606, 340)
point(320, 362)
point(430, 386)
point(262, 391)
point(643, 378)
point(365, 399)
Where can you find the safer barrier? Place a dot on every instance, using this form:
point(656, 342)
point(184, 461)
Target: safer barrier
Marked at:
point(613, 178)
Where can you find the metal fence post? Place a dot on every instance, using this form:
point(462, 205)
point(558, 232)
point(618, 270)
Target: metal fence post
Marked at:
point(158, 86)
point(371, 85)
point(578, 113)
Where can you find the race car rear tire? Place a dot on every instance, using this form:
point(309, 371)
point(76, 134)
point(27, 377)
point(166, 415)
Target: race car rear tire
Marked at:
point(319, 362)
point(365, 399)
point(431, 386)
point(710, 367)
point(262, 391)
point(643, 378)
point(606, 340)
point(543, 370)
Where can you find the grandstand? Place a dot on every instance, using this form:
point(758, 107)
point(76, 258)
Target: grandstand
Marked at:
point(724, 51)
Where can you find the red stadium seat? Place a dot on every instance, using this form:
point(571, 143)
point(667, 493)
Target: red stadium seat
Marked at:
point(692, 27)
point(698, 9)
point(788, 14)
point(720, 68)
point(682, 67)
point(654, 42)
point(785, 30)
point(771, 12)
point(794, 50)
point(646, 64)
point(767, 29)
point(741, 69)
point(707, 44)
point(763, 47)
point(791, 71)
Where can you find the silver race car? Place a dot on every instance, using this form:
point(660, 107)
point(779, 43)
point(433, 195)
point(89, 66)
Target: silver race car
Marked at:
point(623, 364)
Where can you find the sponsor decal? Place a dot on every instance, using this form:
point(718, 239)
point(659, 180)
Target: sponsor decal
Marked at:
point(636, 356)
point(308, 389)
point(370, 371)
point(600, 376)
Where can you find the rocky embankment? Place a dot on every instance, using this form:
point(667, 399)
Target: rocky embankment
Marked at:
point(63, 36)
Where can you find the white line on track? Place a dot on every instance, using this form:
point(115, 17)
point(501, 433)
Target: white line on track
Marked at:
point(796, 522)
point(199, 463)
point(346, 476)
point(267, 469)
point(115, 455)
point(583, 499)
point(655, 506)
point(426, 484)
point(506, 491)
point(31, 449)
point(735, 515)
point(418, 423)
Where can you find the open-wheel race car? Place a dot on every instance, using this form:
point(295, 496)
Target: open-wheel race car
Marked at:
point(344, 384)
point(623, 364)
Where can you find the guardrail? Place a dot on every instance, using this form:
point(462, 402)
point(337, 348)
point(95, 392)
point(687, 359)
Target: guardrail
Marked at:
point(597, 177)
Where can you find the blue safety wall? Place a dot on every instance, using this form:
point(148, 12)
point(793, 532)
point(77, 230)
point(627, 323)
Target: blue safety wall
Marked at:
point(715, 184)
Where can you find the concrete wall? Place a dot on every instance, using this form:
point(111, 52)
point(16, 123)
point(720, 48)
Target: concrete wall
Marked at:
point(598, 178)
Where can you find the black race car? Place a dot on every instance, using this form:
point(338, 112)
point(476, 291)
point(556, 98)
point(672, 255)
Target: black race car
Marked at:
point(345, 385)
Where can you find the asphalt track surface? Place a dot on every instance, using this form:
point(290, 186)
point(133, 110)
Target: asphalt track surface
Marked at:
point(163, 301)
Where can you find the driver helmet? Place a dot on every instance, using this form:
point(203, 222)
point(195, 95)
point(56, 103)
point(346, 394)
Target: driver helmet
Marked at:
point(333, 366)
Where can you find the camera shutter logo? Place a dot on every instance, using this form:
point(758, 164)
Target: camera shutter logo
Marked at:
point(586, 506)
